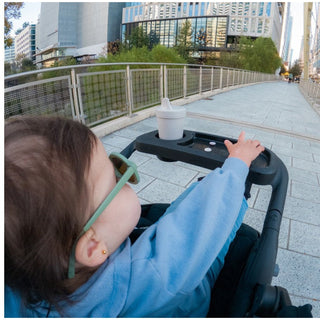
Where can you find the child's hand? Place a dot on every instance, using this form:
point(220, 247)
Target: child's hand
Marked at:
point(246, 150)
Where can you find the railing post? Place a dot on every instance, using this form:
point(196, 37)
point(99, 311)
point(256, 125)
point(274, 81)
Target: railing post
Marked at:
point(75, 96)
point(200, 80)
point(233, 77)
point(161, 82)
point(185, 81)
point(129, 90)
point(221, 75)
point(228, 77)
point(211, 84)
point(165, 75)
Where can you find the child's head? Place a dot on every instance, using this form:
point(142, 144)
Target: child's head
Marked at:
point(56, 175)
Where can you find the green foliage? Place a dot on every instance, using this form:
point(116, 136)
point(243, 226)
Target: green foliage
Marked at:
point(230, 59)
point(295, 69)
point(185, 46)
point(27, 65)
point(259, 55)
point(11, 11)
point(166, 55)
point(158, 54)
point(137, 39)
point(61, 63)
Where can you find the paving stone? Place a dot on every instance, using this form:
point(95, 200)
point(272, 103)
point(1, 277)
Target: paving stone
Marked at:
point(305, 238)
point(306, 191)
point(263, 199)
point(139, 158)
point(291, 152)
point(169, 172)
point(145, 180)
point(302, 210)
point(303, 175)
point(306, 165)
point(316, 158)
point(299, 274)
point(160, 191)
point(116, 141)
point(110, 148)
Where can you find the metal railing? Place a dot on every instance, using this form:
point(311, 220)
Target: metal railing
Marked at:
point(311, 91)
point(96, 93)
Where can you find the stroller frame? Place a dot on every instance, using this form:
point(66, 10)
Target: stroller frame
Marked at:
point(254, 295)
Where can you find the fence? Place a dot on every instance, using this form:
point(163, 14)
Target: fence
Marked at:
point(311, 91)
point(97, 93)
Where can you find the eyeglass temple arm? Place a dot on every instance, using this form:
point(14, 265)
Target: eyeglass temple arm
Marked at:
point(130, 171)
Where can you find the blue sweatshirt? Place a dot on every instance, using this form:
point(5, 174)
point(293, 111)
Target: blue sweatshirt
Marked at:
point(170, 270)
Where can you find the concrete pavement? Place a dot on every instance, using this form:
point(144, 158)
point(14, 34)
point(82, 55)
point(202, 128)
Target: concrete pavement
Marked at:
point(277, 114)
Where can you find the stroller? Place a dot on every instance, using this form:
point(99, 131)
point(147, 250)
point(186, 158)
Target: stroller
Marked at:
point(243, 288)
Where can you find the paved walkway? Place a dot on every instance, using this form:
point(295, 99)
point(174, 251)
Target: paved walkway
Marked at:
point(277, 114)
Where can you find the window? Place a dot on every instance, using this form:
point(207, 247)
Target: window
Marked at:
point(203, 8)
point(233, 24)
point(253, 8)
point(200, 34)
point(246, 8)
point(268, 9)
point(221, 32)
point(261, 5)
point(266, 26)
point(239, 25)
point(211, 32)
point(185, 5)
point(234, 8)
point(253, 25)
point(190, 10)
point(260, 24)
point(245, 24)
point(240, 8)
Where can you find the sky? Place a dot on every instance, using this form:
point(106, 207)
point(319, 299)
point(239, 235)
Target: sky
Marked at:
point(31, 11)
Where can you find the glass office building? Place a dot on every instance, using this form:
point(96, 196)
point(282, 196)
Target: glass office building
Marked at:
point(216, 23)
point(76, 29)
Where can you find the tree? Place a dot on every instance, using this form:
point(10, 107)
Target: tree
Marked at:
point(184, 44)
point(11, 11)
point(295, 69)
point(27, 65)
point(154, 39)
point(138, 38)
point(259, 55)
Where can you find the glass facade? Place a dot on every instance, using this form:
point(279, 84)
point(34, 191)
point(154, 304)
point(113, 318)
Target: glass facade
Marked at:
point(251, 19)
point(207, 32)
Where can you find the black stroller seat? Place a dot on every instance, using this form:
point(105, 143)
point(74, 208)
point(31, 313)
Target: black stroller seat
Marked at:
point(243, 288)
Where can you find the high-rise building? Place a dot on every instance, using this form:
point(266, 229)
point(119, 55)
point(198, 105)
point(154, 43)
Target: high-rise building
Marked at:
point(215, 25)
point(315, 56)
point(286, 35)
point(9, 53)
point(76, 29)
point(25, 42)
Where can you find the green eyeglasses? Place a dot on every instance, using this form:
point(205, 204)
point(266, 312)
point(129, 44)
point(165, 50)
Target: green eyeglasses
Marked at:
point(126, 171)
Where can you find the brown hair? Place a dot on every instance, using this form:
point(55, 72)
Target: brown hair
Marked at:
point(46, 204)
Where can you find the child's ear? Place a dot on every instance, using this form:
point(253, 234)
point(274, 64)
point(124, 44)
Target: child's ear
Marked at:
point(90, 251)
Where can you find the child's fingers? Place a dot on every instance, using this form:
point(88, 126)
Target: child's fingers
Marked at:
point(228, 144)
point(241, 136)
point(260, 148)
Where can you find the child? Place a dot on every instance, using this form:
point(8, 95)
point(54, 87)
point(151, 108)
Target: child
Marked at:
point(68, 215)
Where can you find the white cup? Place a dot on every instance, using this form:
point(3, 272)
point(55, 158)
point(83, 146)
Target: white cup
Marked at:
point(170, 120)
